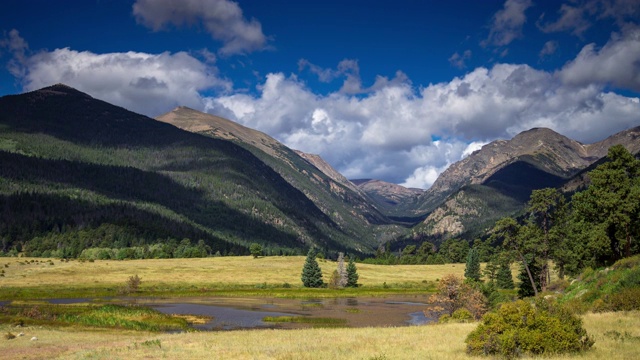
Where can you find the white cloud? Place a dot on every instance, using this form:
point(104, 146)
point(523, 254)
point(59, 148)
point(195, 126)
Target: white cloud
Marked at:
point(507, 23)
point(146, 83)
point(472, 147)
point(390, 130)
point(617, 63)
point(388, 133)
point(223, 19)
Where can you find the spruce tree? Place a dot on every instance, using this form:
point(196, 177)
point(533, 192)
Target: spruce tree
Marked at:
point(352, 274)
point(311, 273)
point(526, 287)
point(472, 270)
point(504, 278)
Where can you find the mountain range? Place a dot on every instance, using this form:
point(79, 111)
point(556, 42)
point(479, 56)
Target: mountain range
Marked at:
point(77, 172)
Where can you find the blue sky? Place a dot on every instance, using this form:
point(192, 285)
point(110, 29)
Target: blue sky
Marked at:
point(394, 90)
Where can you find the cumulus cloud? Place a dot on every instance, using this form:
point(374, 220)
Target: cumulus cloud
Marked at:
point(507, 23)
point(150, 84)
point(386, 128)
point(223, 19)
point(388, 133)
point(616, 64)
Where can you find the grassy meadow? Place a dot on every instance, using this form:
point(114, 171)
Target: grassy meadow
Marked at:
point(244, 275)
point(617, 336)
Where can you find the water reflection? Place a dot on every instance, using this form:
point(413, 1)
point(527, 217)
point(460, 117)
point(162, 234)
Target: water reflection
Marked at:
point(237, 313)
point(224, 318)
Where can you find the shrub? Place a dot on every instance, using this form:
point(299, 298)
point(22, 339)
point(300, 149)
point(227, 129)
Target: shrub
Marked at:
point(459, 316)
point(559, 285)
point(625, 300)
point(454, 294)
point(520, 328)
point(132, 285)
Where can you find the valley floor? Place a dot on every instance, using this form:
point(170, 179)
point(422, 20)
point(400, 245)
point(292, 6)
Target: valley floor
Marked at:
point(617, 336)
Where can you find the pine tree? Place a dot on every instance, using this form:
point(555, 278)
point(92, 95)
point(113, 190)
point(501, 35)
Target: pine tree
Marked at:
point(504, 278)
point(311, 273)
point(526, 289)
point(490, 271)
point(352, 274)
point(472, 270)
point(342, 272)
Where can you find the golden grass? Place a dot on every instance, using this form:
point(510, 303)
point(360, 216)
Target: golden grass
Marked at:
point(417, 342)
point(242, 270)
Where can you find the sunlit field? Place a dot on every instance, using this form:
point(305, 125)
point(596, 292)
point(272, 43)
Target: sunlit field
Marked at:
point(617, 336)
point(210, 274)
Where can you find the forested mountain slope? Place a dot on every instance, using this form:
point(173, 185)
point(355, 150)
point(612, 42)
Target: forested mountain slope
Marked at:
point(346, 204)
point(77, 172)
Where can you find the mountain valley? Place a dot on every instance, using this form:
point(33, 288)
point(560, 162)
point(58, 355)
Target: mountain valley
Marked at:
point(79, 173)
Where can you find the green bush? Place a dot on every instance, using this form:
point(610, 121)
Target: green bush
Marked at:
point(632, 279)
point(625, 300)
point(521, 328)
point(459, 316)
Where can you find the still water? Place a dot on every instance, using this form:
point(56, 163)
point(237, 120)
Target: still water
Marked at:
point(246, 313)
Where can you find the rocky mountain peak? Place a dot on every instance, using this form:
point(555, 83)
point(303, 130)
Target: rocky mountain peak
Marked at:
point(544, 148)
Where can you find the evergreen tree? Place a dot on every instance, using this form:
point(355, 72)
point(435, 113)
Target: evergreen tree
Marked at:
point(352, 274)
point(311, 273)
point(526, 287)
point(610, 203)
point(472, 269)
point(542, 205)
point(517, 240)
point(490, 271)
point(504, 278)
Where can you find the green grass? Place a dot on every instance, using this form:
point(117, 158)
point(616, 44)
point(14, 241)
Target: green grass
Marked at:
point(315, 321)
point(99, 316)
point(605, 289)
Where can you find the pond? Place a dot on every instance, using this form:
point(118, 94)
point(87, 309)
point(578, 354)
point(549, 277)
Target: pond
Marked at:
point(243, 313)
point(228, 313)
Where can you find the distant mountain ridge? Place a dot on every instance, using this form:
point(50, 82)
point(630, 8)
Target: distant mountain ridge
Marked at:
point(387, 195)
point(497, 179)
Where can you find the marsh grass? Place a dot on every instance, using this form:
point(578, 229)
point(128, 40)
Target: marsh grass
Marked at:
point(102, 316)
